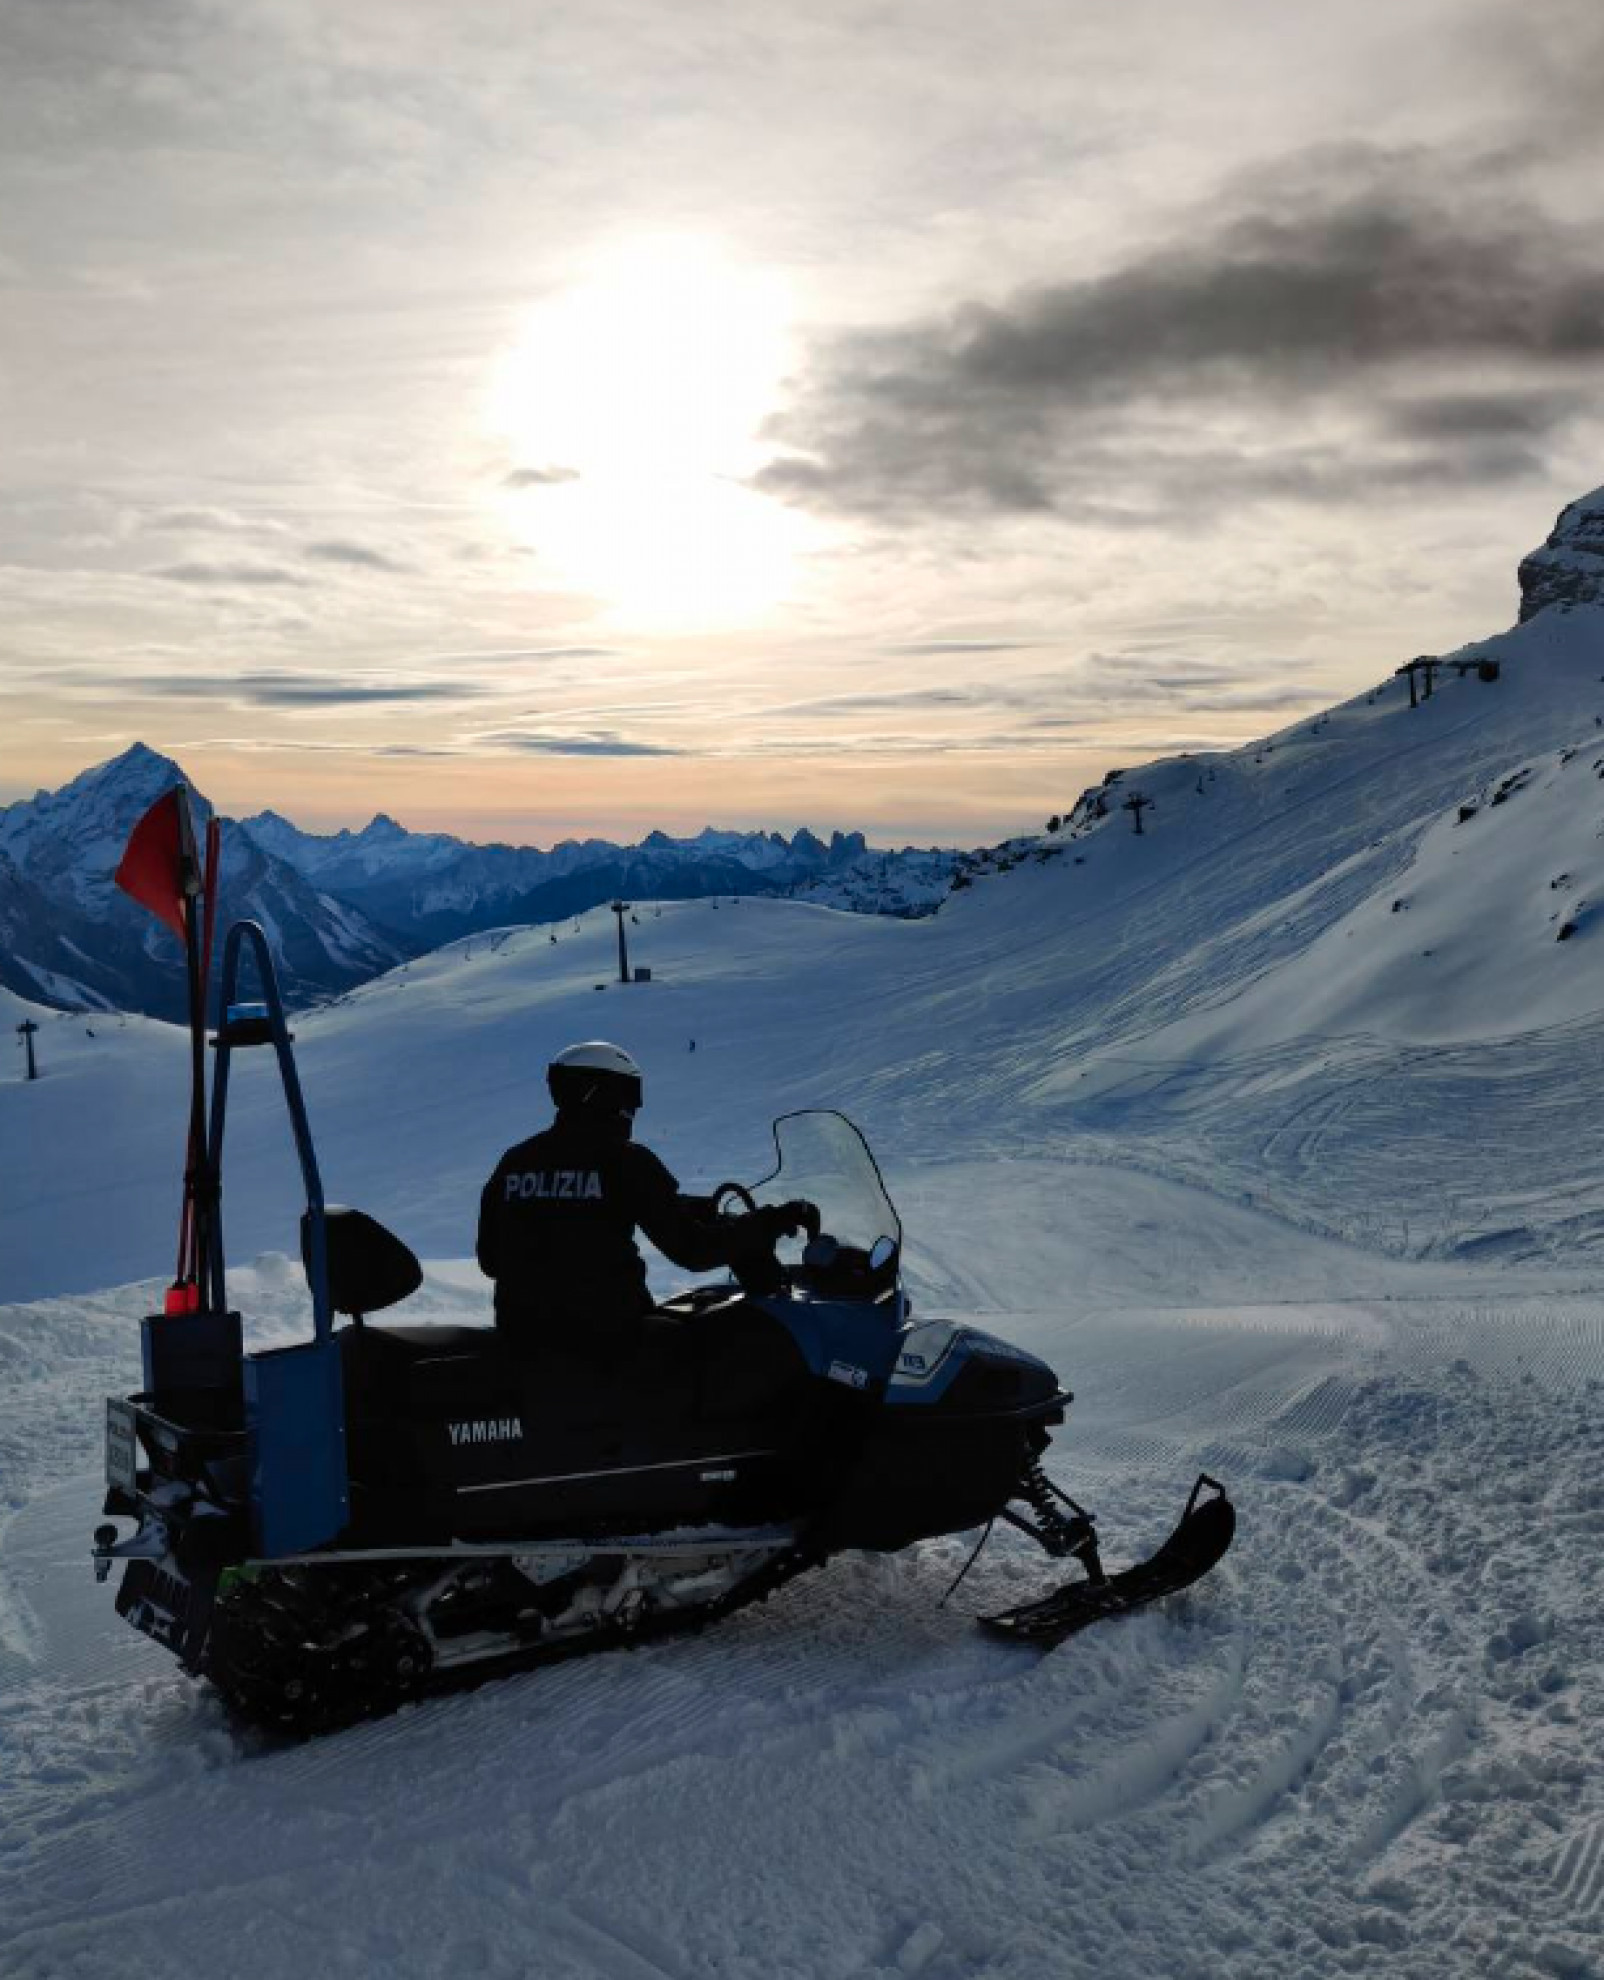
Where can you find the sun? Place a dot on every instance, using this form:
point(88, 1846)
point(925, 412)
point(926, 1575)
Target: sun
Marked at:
point(631, 404)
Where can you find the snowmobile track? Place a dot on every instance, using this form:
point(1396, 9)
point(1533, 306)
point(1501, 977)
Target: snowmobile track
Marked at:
point(1577, 1871)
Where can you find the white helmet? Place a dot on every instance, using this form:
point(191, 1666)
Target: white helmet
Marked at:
point(596, 1075)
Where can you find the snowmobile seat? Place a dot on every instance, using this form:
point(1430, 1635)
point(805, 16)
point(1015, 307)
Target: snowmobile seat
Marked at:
point(393, 1374)
point(410, 1346)
point(411, 1373)
point(369, 1268)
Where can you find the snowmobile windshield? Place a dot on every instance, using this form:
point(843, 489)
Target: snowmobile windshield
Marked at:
point(823, 1157)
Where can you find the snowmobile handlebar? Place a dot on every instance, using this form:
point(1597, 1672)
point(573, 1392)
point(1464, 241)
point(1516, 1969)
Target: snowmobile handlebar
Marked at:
point(753, 1230)
point(775, 1220)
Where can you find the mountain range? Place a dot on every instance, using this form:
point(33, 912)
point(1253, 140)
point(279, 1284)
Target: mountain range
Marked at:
point(344, 907)
point(434, 888)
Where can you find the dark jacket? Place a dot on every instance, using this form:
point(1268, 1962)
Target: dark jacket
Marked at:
point(557, 1223)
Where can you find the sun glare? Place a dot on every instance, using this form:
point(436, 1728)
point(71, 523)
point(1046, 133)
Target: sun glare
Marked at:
point(631, 405)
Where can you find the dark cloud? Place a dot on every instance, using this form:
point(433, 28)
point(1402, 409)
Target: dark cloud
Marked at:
point(1328, 288)
point(597, 743)
point(356, 555)
point(281, 690)
point(493, 655)
point(546, 477)
point(293, 691)
point(1076, 696)
point(934, 647)
point(1200, 687)
point(228, 574)
point(874, 700)
point(1480, 416)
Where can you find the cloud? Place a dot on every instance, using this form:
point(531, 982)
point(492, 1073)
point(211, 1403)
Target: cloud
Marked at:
point(876, 700)
point(597, 743)
point(493, 655)
point(936, 647)
point(1482, 415)
point(1258, 683)
point(228, 574)
point(219, 522)
point(1103, 400)
point(357, 555)
point(309, 746)
point(1073, 698)
point(546, 477)
point(296, 691)
point(271, 689)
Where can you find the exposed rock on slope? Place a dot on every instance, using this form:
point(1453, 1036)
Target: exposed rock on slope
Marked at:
point(1569, 568)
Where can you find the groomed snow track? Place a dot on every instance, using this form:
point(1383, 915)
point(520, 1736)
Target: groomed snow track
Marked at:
point(1362, 1745)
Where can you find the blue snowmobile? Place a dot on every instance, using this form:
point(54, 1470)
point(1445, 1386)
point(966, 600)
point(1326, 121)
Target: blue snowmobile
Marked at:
point(328, 1529)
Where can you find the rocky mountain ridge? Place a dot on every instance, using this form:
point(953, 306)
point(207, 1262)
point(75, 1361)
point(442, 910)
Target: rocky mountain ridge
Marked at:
point(1569, 568)
point(435, 888)
point(70, 937)
point(343, 907)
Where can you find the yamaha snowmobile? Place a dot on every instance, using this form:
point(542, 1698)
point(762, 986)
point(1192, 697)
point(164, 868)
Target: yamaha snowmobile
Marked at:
point(328, 1529)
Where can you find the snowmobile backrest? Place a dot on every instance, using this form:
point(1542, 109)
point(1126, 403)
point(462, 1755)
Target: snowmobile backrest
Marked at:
point(369, 1267)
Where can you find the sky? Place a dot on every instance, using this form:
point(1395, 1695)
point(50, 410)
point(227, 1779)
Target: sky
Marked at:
point(536, 421)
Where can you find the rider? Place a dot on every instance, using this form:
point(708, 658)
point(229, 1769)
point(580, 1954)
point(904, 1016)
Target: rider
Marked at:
point(557, 1220)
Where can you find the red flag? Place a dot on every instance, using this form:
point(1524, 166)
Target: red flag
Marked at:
point(158, 864)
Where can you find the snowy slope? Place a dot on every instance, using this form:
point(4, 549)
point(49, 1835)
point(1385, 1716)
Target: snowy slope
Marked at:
point(1198, 1000)
point(1285, 1183)
point(1366, 1740)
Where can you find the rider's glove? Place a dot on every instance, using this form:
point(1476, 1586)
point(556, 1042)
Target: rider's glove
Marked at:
point(798, 1216)
point(773, 1221)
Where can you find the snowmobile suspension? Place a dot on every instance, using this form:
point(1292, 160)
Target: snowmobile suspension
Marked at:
point(1063, 1535)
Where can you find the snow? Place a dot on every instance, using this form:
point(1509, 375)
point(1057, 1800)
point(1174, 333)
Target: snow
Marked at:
point(68, 992)
point(1286, 1184)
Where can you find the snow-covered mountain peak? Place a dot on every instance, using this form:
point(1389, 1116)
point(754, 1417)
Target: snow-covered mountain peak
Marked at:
point(138, 775)
point(70, 840)
point(68, 934)
point(137, 763)
point(1569, 567)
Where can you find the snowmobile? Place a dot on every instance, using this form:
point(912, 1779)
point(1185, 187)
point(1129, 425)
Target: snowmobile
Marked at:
point(328, 1529)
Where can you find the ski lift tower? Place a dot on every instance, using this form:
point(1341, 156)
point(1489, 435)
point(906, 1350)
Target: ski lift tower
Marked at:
point(621, 908)
point(1136, 804)
point(26, 1029)
point(1425, 664)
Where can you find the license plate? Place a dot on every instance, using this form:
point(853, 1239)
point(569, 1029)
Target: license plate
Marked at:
point(122, 1457)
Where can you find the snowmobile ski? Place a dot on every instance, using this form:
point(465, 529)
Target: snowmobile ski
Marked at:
point(1197, 1544)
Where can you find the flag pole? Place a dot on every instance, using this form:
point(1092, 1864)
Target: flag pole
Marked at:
point(161, 869)
point(211, 1295)
point(190, 887)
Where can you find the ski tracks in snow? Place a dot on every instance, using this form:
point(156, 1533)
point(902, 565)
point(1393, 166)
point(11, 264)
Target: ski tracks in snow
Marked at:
point(1364, 1744)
